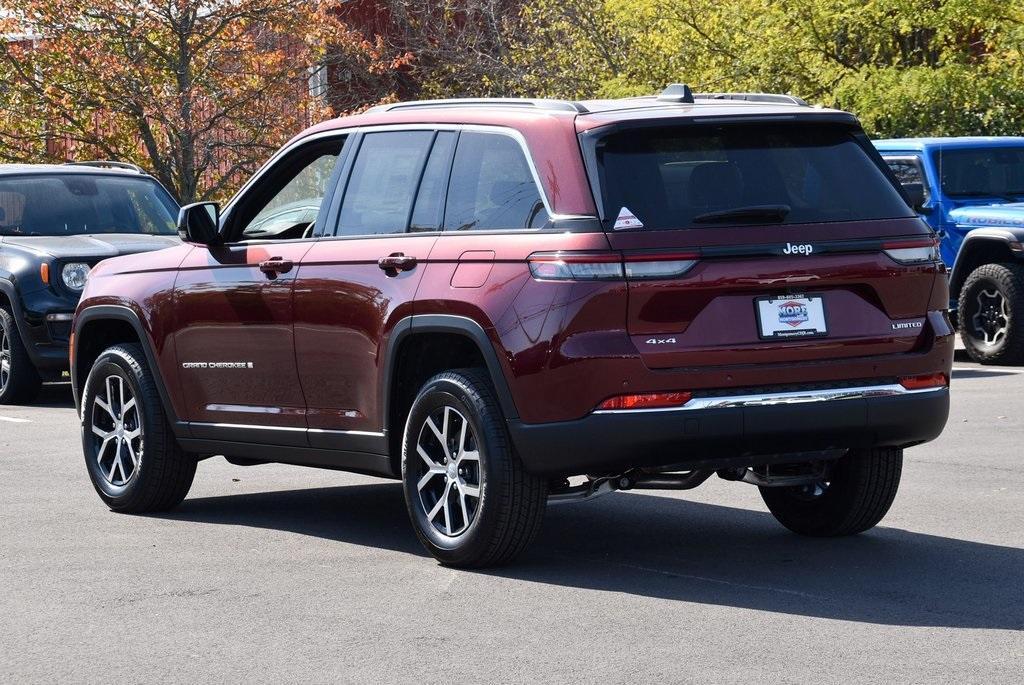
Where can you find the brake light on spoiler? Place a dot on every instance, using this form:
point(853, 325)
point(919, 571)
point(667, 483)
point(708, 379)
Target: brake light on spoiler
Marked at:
point(610, 266)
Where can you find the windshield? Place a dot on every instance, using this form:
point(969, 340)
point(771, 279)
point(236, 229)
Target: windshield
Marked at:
point(76, 204)
point(709, 176)
point(981, 172)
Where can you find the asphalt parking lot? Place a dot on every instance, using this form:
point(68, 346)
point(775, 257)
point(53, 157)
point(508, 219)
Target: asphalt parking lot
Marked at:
point(275, 573)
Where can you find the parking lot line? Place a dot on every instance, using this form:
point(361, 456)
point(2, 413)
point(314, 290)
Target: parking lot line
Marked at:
point(11, 419)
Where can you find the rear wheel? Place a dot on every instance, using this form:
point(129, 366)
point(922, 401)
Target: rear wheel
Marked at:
point(471, 502)
point(853, 497)
point(133, 459)
point(19, 380)
point(991, 314)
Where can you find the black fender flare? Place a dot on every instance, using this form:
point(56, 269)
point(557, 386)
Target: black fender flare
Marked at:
point(8, 289)
point(126, 314)
point(1010, 239)
point(444, 323)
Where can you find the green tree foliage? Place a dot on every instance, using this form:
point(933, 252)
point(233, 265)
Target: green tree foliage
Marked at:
point(906, 67)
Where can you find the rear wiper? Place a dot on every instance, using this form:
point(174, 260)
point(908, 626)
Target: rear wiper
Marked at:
point(777, 212)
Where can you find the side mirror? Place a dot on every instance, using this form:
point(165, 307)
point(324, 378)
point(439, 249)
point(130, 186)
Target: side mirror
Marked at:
point(914, 193)
point(200, 223)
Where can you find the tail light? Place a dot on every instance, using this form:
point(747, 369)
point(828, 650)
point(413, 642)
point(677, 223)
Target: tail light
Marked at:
point(576, 266)
point(610, 266)
point(931, 380)
point(659, 264)
point(647, 400)
point(915, 251)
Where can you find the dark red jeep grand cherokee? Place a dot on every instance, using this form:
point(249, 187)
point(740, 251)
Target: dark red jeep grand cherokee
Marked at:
point(506, 302)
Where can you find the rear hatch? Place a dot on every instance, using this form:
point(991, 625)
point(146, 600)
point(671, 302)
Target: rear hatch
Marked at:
point(759, 242)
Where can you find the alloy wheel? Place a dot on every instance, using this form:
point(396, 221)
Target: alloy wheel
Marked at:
point(5, 359)
point(449, 477)
point(117, 431)
point(991, 320)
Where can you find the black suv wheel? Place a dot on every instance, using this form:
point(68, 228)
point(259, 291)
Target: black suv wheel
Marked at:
point(471, 502)
point(134, 461)
point(991, 314)
point(19, 380)
point(855, 495)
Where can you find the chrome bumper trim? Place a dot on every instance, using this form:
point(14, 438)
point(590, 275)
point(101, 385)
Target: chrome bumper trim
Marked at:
point(782, 398)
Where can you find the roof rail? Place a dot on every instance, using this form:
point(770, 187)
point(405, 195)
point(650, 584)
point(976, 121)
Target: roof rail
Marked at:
point(108, 164)
point(551, 105)
point(776, 98)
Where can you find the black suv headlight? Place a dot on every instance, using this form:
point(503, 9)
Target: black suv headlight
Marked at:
point(74, 275)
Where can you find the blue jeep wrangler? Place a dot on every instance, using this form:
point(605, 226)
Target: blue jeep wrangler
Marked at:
point(971, 191)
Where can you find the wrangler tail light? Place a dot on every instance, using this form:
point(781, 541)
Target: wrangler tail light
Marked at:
point(914, 251)
point(931, 380)
point(647, 400)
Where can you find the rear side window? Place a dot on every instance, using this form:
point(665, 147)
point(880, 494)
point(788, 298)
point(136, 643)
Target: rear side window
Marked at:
point(703, 176)
point(981, 172)
point(429, 211)
point(383, 182)
point(491, 186)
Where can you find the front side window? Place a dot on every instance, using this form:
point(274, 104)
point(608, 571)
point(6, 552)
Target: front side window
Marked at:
point(77, 204)
point(905, 170)
point(291, 195)
point(491, 187)
point(707, 176)
point(383, 182)
point(981, 172)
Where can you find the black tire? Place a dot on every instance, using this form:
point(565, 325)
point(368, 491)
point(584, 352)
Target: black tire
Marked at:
point(162, 474)
point(860, 489)
point(509, 507)
point(980, 312)
point(20, 382)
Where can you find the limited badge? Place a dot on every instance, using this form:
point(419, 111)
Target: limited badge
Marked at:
point(626, 219)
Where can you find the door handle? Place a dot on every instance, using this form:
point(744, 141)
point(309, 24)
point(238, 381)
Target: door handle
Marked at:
point(276, 265)
point(396, 262)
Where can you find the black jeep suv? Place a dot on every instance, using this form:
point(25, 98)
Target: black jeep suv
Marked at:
point(56, 223)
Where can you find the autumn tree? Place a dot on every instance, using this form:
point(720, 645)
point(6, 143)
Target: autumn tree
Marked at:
point(429, 49)
point(905, 67)
point(198, 92)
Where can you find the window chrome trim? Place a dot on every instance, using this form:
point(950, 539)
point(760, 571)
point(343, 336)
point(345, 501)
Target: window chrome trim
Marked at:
point(491, 129)
point(784, 398)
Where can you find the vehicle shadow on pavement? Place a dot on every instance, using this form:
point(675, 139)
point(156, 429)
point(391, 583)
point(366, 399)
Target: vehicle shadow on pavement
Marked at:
point(668, 548)
point(54, 395)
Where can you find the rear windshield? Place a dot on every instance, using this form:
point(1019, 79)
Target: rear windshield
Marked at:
point(982, 172)
point(708, 176)
point(74, 204)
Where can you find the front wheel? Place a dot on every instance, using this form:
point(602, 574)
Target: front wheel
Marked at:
point(854, 496)
point(991, 314)
point(471, 502)
point(134, 460)
point(19, 380)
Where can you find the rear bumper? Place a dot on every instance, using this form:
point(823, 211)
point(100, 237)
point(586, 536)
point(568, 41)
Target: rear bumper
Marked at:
point(743, 430)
